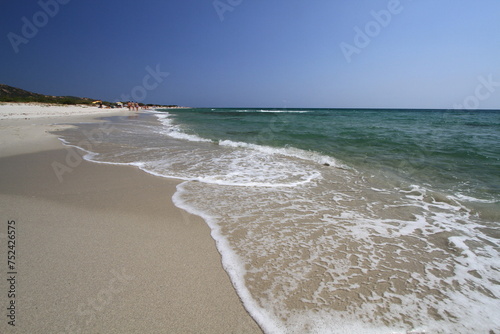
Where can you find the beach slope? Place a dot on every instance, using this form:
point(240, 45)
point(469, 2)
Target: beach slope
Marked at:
point(105, 250)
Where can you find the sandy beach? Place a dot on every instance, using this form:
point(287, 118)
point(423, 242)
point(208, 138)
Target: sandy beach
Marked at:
point(105, 250)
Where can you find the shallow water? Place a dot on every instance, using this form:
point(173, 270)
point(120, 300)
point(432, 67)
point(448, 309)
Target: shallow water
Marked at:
point(335, 221)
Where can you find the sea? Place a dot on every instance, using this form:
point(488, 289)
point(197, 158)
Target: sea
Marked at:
point(334, 220)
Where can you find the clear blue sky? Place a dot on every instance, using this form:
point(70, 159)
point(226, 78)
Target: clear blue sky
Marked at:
point(257, 53)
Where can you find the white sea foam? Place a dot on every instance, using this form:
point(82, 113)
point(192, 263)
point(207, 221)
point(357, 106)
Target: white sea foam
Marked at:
point(231, 263)
point(178, 133)
point(175, 131)
point(312, 249)
point(285, 111)
point(287, 151)
point(286, 236)
point(473, 199)
point(269, 110)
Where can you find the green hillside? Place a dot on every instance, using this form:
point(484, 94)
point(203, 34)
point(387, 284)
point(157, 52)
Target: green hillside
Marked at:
point(13, 94)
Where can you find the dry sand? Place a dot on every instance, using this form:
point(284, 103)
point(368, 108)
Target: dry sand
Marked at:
point(104, 251)
point(24, 126)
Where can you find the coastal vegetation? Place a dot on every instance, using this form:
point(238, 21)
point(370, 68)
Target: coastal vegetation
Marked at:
point(13, 94)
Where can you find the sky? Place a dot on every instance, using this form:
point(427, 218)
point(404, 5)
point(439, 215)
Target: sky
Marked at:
point(440, 54)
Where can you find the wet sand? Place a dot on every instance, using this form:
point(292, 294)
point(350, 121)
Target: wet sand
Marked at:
point(105, 250)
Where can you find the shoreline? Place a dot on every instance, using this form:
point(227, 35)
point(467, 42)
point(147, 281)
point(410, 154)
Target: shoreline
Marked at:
point(25, 127)
point(106, 250)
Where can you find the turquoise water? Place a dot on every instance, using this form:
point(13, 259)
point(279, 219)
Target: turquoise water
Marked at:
point(455, 152)
point(334, 221)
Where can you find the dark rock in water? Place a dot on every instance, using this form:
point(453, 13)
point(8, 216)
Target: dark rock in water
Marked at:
point(326, 164)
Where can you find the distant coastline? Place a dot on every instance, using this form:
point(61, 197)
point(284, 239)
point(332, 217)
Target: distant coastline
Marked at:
point(18, 95)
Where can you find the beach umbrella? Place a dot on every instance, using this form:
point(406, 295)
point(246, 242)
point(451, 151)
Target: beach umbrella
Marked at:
point(96, 102)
